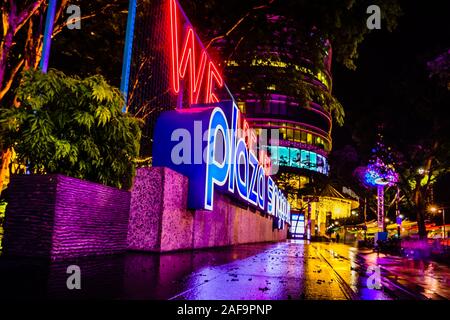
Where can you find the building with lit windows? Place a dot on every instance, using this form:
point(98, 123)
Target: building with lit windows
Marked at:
point(304, 126)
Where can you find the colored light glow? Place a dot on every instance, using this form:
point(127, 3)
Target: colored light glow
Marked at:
point(179, 65)
point(298, 158)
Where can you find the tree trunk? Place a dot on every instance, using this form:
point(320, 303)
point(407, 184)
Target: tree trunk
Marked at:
point(4, 55)
point(419, 202)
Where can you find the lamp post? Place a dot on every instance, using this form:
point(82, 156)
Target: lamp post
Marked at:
point(379, 175)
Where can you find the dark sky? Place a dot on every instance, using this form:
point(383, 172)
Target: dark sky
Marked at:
point(423, 33)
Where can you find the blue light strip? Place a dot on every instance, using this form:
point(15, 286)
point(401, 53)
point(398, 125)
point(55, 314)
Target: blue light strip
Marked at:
point(50, 19)
point(127, 51)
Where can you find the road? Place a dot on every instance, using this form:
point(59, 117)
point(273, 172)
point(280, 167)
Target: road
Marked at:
point(287, 270)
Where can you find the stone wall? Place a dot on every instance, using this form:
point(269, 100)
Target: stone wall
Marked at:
point(55, 216)
point(160, 222)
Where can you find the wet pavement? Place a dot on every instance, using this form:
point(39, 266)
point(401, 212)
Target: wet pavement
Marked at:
point(412, 278)
point(280, 271)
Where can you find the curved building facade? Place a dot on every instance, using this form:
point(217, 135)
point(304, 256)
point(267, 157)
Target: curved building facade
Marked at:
point(265, 84)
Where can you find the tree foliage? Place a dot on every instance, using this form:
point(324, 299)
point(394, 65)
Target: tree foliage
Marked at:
point(72, 126)
point(343, 22)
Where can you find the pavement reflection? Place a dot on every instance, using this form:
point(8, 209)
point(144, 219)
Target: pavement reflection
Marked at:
point(279, 271)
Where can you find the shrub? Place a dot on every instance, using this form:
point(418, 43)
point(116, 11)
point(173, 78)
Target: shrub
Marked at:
point(72, 126)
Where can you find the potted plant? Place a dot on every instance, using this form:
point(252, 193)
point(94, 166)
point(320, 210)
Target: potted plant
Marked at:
point(76, 149)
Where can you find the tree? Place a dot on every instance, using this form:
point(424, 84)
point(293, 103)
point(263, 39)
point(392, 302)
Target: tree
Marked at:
point(72, 126)
point(22, 40)
point(22, 35)
point(343, 22)
point(426, 156)
point(416, 126)
point(15, 17)
point(292, 33)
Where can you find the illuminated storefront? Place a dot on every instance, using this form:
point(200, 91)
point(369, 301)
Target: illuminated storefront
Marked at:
point(332, 205)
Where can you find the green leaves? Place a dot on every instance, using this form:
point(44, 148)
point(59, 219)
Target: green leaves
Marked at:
point(103, 115)
point(72, 126)
point(84, 119)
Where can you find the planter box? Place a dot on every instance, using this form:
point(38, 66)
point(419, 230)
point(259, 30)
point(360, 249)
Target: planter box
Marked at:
point(55, 216)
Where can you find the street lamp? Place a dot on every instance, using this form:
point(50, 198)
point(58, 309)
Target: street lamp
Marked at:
point(436, 209)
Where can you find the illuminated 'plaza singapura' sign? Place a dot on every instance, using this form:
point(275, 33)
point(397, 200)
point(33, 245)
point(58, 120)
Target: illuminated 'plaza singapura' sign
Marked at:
point(208, 140)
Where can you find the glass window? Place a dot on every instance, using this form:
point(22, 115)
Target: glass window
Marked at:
point(303, 137)
point(319, 141)
point(290, 134)
point(304, 159)
point(309, 138)
point(313, 161)
point(283, 156)
point(325, 166)
point(273, 151)
point(283, 133)
point(320, 163)
point(295, 157)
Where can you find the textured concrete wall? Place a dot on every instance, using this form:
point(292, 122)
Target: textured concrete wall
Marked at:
point(159, 221)
point(56, 216)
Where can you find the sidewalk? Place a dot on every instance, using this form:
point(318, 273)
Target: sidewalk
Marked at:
point(291, 270)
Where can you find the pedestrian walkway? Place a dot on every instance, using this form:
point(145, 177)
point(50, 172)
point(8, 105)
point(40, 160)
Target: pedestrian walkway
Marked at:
point(426, 279)
point(283, 271)
point(269, 271)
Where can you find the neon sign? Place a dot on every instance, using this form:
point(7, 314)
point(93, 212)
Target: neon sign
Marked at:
point(230, 165)
point(199, 64)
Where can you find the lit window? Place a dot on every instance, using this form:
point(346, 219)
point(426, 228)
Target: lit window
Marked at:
point(290, 134)
point(304, 159)
point(297, 136)
point(313, 161)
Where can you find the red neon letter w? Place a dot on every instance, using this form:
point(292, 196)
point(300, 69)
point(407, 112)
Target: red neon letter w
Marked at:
point(189, 57)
